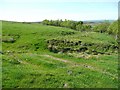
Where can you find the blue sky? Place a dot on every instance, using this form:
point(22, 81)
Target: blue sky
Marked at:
point(38, 10)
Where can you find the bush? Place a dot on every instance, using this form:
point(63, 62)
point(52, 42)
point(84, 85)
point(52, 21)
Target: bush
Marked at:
point(113, 28)
point(102, 27)
point(45, 22)
point(80, 27)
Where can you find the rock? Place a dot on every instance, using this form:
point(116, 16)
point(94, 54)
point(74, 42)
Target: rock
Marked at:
point(83, 49)
point(65, 85)
point(1, 52)
point(69, 72)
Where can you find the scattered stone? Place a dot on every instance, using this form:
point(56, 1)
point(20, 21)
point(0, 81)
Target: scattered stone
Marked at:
point(69, 72)
point(66, 46)
point(65, 85)
point(1, 52)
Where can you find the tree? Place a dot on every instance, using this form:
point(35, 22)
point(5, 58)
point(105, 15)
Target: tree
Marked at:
point(79, 22)
point(45, 22)
point(102, 27)
point(113, 29)
point(79, 27)
point(87, 27)
point(73, 25)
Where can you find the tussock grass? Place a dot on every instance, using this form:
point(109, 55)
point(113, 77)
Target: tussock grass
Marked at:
point(27, 62)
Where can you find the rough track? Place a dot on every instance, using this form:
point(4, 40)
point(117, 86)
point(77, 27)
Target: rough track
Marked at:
point(73, 64)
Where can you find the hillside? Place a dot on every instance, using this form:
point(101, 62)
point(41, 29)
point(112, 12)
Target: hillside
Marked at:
point(41, 56)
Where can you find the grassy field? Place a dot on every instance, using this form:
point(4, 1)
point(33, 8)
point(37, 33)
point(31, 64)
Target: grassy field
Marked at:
point(27, 62)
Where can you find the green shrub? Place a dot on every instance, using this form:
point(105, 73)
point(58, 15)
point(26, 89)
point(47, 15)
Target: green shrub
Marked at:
point(113, 28)
point(102, 27)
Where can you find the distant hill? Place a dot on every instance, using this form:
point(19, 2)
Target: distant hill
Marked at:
point(97, 21)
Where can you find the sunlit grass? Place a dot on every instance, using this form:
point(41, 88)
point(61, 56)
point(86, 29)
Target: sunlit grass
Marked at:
point(27, 63)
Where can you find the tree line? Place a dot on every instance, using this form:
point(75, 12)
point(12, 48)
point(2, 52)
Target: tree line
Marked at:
point(105, 27)
point(76, 25)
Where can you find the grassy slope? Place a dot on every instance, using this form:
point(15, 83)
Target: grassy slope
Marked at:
point(26, 66)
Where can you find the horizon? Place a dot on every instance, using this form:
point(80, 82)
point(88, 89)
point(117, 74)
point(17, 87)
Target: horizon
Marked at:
point(60, 19)
point(35, 10)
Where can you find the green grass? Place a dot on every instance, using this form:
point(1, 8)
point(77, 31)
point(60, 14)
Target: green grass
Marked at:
point(27, 63)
